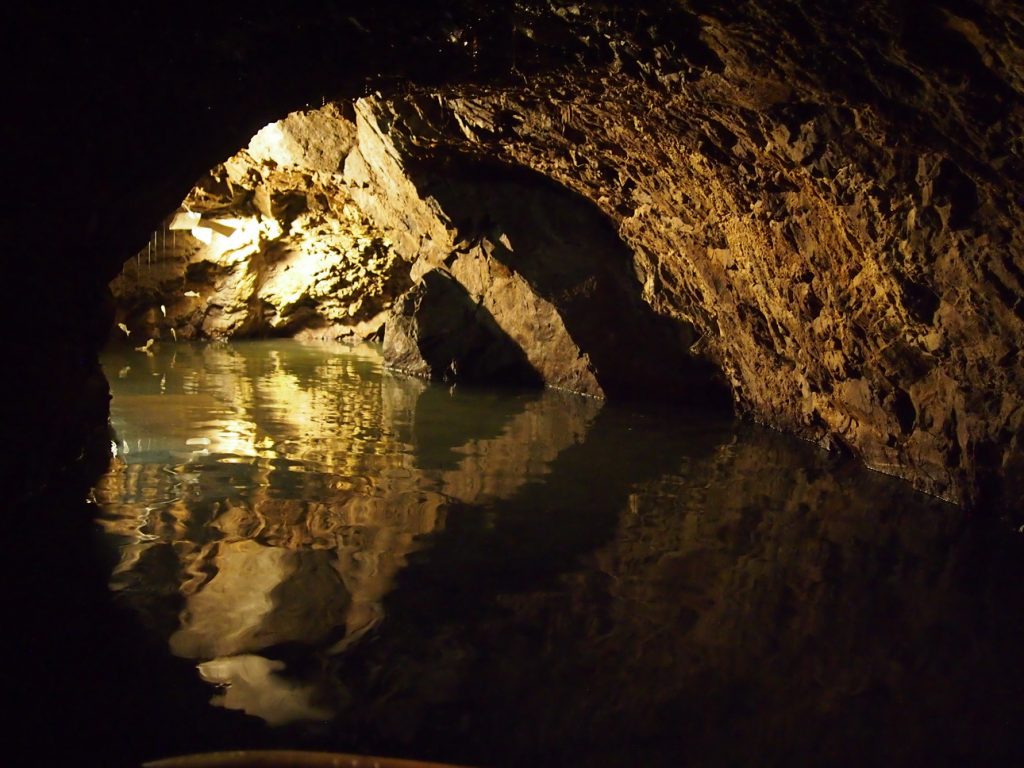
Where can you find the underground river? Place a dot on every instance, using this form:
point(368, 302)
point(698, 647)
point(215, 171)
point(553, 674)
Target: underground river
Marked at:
point(305, 550)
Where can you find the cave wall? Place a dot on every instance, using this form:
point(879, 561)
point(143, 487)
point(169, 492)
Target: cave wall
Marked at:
point(845, 279)
point(829, 196)
point(538, 259)
point(321, 224)
point(857, 287)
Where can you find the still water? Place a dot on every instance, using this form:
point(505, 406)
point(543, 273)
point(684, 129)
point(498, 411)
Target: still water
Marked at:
point(327, 555)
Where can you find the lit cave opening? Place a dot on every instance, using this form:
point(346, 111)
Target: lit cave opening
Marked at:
point(465, 269)
point(268, 243)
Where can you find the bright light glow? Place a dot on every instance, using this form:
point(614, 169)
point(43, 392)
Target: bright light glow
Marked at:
point(254, 685)
point(232, 240)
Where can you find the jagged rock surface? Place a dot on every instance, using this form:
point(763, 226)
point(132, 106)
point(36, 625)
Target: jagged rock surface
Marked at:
point(539, 261)
point(858, 283)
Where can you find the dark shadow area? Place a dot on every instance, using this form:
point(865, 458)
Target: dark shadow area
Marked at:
point(80, 664)
point(439, 428)
point(439, 331)
point(524, 541)
point(763, 605)
point(568, 252)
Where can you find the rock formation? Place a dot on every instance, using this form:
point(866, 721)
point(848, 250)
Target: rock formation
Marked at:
point(519, 281)
point(267, 243)
point(822, 204)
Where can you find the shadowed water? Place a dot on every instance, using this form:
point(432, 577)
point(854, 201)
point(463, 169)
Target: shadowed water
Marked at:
point(343, 558)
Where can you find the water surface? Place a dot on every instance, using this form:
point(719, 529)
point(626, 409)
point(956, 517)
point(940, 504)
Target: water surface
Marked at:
point(323, 554)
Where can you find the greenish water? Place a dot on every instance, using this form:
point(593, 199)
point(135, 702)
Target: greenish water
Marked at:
point(327, 555)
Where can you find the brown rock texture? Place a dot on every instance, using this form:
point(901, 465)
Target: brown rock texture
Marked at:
point(438, 331)
point(854, 268)
point(538, 262)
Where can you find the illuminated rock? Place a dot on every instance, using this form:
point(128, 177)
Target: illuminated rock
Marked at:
point(275, 246)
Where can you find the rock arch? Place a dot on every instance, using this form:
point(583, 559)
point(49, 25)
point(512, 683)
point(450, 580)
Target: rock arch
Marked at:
point(835, 211)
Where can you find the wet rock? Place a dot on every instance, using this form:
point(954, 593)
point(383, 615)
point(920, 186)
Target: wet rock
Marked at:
point(540, 259)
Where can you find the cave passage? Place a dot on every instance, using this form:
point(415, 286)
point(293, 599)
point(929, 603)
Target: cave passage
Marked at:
point(474, 563)
point(267, 243)
point(311, 551)
point(469, 270)
point(511, 520)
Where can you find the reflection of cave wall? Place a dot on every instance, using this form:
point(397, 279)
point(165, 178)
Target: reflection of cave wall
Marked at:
point(280, 501)
point(639, 590)
point(755, 605)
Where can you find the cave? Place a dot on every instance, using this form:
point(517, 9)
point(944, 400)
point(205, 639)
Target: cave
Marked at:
point(537, 383)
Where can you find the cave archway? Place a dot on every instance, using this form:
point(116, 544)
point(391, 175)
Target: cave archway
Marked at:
point(469, 269)
point(845, 199)
point(878, 176)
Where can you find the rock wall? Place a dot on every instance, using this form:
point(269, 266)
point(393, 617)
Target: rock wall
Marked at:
point(539, 260)
point(519, 280)
point(855, 273)
point(803, 250)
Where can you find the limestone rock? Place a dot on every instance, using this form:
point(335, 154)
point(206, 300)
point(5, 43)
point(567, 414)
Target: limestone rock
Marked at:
point(857, 289)
point(538, 258)
point(314, 140)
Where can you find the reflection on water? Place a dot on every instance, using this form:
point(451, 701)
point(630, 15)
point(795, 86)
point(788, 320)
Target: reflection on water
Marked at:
point(531, 578)
point(275, 490)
